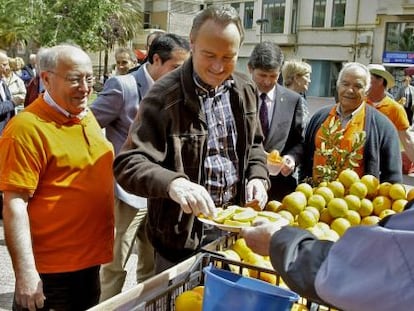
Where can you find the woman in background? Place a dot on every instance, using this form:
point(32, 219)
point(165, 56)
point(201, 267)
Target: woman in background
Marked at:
point(14, 83)
point(297, 77)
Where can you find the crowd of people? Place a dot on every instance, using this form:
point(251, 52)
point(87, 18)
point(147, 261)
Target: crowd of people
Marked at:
point(173, 138)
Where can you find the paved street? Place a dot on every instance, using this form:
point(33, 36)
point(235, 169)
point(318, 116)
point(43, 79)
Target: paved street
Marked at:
point(6, 272)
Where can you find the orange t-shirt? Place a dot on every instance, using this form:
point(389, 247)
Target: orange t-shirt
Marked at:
point(394, 111)
point(66, 165)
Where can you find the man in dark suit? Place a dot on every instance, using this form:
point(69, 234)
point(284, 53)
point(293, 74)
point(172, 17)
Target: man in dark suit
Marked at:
point(282, 116)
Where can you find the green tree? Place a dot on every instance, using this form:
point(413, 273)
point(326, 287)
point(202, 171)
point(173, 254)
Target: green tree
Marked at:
point(93, 24)
point(15, 24)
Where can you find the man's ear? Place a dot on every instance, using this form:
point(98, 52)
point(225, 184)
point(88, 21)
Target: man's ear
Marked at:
point(45, 76)
point(156, 60)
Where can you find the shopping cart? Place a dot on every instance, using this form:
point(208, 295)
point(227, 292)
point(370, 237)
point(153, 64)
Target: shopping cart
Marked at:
point(159, 292)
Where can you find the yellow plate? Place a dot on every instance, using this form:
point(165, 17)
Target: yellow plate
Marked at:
point(220, 226)
point(281, 222)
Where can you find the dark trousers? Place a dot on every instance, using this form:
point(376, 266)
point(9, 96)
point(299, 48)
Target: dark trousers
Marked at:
point(281, 186)
point(69, 291)
point(1, 205)
point(409, 113)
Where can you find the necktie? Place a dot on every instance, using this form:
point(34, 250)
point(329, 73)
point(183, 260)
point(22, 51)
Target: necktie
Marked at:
point(2, 92)
point(264, 114)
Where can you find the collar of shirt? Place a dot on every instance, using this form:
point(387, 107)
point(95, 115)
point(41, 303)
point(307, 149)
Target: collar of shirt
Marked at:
point(150, 80)
point(49, 100)
point(206, 91)
point(347, 118)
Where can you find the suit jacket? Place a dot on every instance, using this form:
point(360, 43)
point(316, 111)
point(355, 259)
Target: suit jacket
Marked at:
point(117, 104)
point(115, 108)
point(286, 135)
point(6, 107)
point(401, 93)
point(287, 124)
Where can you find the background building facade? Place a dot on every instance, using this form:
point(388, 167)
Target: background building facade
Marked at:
point(325, 33)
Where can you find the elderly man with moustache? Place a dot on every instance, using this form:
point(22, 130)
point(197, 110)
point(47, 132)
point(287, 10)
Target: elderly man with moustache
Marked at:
point(380, 153)
point(57, 180)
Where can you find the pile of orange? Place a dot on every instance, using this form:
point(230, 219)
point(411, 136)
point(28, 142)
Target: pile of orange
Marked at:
point(330, 208)
point(190, 300)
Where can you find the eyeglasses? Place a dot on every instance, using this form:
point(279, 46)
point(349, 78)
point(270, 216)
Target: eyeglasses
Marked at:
point(76, 81)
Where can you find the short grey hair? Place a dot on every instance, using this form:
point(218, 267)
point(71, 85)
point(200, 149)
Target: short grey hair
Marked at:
point(47, 58)
point(223, 15)
point(354, 66)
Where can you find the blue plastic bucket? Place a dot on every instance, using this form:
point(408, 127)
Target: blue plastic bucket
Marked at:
point(224, 291)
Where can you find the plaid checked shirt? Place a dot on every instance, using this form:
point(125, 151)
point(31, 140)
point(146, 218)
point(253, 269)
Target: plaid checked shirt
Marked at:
point(221, 163)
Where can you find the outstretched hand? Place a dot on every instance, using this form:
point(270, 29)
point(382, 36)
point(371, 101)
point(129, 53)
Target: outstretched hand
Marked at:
point(258, 238)
point(256, 190)
point(193, 198)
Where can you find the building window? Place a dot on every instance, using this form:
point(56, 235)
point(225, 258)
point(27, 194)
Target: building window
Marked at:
point(248, 15)
point(148, 7)
point(294, 16)
point(338, 13)
point(274, 12)
point(236, 6)
point(318, 19)
point(399, 37)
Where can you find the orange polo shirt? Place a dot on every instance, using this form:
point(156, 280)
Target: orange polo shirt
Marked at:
point(394, 111)
point(66, 164)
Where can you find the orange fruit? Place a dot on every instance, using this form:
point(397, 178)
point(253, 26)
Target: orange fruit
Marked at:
point(337, 207)
point(273, 206)
point(318, 201)
point(314, 211)
point(381, 203)
point(199, 289)
point(332, 235)
point(385, 213)
point(340, 225)
point(241, 248)
point(306, 219)
point(287, 215)
point(384, 188)
point(372, 184)
point(399, 205)
point(274, 157)
point(347, 177)
point(366, 208)
point(370, 220)
point(294, 202)
point(353, 217)
point(410, 194)
point(397, 191)
point(305, 188)
point(326, 192)
point(189, 301)
point(337, 188)
point(359, 189)
point(325, 216)
point(354, 202)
